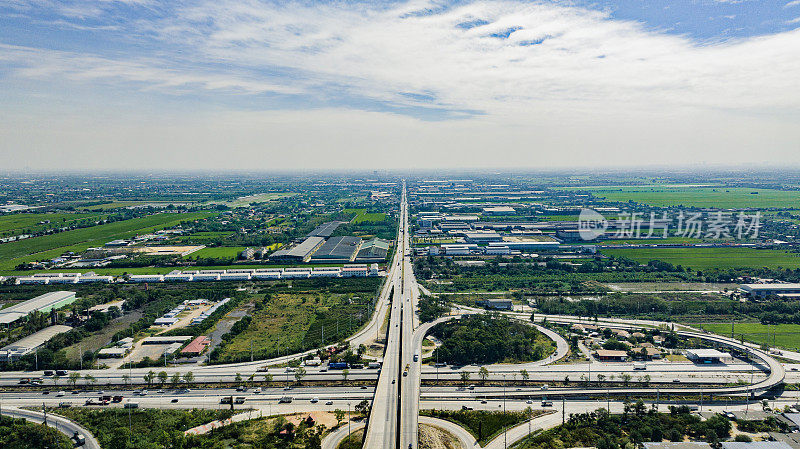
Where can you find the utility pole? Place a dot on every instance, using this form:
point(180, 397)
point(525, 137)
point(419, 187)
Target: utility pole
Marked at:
point(563, 410)
point(81, 354)
point(251, 351)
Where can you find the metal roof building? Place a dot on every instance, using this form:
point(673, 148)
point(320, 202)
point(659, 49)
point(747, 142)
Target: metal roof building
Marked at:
point(325, 229)
point(374, 250)
point(31, 342)
point(42, 303)
point(338, 249)
point(301, 252)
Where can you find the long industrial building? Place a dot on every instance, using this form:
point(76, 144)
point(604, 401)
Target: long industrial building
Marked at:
point(338, 250)
point(228, 275)
point(42, 303)
point(30, 343)
point(325, 229)
point(301, 252)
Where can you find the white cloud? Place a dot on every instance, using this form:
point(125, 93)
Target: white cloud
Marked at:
point(792, 3)
point(151, 74)
point(596, 89)
point(585, 56)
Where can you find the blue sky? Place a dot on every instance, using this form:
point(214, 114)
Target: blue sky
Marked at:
point(595, 80)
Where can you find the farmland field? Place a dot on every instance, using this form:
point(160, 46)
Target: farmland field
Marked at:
point(16, 223)
point(222, 252)
point(705, 258)
point(784, 335)
point(49, 246)
point(362, 216)
point(698, 196)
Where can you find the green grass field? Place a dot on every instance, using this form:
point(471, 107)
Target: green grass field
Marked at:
point(697, 196)
point(49, 246)
point(650, 241)
point(705, 258)
point(15, 223)
point(785, 335)
point(222, 252)
point(363, 216)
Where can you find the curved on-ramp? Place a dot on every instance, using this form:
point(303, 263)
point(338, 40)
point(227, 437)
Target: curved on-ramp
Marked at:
point(63, 425)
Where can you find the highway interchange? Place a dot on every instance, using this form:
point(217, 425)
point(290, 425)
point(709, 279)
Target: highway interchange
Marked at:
point(403, 386)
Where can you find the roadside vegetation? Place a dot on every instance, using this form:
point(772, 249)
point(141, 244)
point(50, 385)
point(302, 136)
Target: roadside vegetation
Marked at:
point(294, 317)
point(143, 429)
point(486, 339)
point(21, 434)
point(636, 425)
point(482, 424)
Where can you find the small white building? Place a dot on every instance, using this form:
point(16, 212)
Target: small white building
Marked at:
point(234, 277)
point(202, 277)
point(146, 278)
point(97, 279)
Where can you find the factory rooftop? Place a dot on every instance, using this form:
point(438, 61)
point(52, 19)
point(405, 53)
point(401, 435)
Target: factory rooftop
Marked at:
point(325, 229)
point(342, 248)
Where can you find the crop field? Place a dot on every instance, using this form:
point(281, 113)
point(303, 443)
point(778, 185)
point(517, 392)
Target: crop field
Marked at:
point(652, 241)
point(18, 223)
point(49, 246)
point(698, 196)
point(785, 336)
point(705, 258)
point(207, 236)
point(221, 252)
point(362, 216)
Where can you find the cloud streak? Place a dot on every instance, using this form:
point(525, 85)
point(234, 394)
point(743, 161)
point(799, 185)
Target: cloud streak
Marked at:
point(521, 72)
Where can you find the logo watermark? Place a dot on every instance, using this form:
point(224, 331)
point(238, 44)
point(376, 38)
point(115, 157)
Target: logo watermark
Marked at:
point(698, 225)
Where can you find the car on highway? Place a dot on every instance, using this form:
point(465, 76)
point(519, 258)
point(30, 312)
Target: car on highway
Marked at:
point(314, 400)
point(174, 400)
point(46, 392)
point(545, 387)
point(484, 402)
point(547, 403)
point(61, 393)
point(285, 400)
point(329, 403)
point(257, 390)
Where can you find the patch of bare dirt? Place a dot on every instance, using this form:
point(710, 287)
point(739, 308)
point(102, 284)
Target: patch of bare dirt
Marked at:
point(432, 437)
